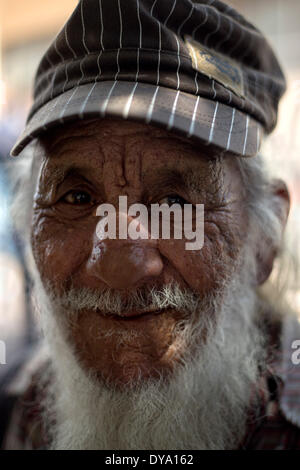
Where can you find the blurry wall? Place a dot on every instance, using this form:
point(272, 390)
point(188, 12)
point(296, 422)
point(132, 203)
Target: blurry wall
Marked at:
point(26, 29)
point(28, 20)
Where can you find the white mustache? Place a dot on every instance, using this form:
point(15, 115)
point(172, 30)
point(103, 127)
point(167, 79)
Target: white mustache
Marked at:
point(146, 299)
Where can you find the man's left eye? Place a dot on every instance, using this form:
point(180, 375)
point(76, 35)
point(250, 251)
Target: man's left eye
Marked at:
point(173, 199)
point(78, 198)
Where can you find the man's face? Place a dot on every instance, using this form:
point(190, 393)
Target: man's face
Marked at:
point(95, 162)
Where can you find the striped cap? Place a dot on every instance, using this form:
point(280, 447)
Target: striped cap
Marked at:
point(195, 67)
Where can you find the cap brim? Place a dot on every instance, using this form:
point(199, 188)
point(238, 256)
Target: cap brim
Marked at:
point(188, 115)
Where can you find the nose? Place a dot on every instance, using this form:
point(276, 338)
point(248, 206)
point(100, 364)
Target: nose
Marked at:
point(124, 264)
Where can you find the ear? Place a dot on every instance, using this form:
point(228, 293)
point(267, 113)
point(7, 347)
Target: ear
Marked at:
point(268, 250)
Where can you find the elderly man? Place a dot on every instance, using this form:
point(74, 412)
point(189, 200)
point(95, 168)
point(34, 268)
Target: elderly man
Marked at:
point(151, 344)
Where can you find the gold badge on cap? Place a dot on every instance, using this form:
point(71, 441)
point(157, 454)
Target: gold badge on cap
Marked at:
point(216, 66)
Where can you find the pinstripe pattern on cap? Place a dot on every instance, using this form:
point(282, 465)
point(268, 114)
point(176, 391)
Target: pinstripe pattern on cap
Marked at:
point(138, 47)
point(202, 119)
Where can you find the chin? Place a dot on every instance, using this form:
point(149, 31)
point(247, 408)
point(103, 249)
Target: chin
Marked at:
point(128, 354)
point(129, 370)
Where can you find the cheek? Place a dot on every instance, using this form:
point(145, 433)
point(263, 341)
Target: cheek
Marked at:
point(58, 249)
point(205, 269)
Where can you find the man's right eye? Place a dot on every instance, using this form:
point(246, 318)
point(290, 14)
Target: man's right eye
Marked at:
point(77, 198)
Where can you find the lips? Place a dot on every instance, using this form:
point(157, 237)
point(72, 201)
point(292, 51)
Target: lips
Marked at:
point(130, 315)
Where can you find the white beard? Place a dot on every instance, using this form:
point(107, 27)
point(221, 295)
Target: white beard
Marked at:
point(203, 406)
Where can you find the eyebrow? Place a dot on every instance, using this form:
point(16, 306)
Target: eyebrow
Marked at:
point(57, 175)
point(173, 179)
point(166, 176)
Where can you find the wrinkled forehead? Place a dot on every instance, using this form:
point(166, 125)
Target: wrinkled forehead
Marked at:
point(102, 141)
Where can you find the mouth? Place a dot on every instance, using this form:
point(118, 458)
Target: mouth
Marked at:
point(135, 315)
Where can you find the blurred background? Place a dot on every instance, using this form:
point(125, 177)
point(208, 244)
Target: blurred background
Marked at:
point(26, 29)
